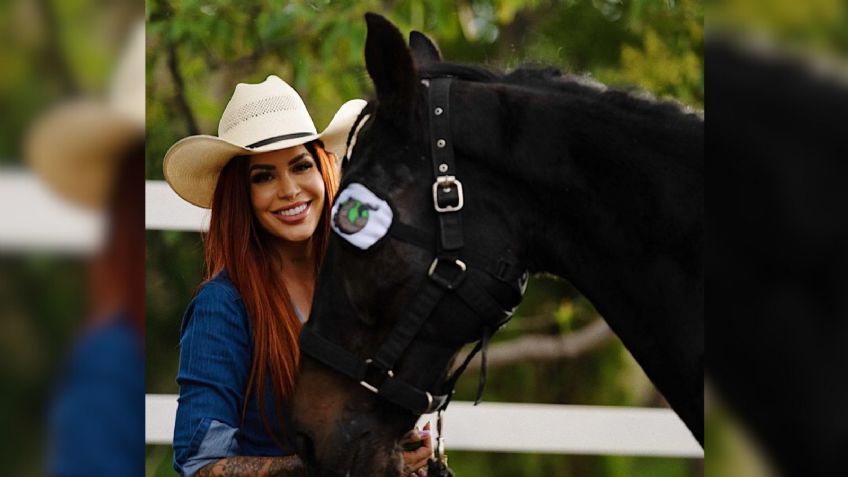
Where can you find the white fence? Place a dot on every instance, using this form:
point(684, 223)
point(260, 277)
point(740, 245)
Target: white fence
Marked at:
point(538, 428)
point(45, 222)
point(33, 218)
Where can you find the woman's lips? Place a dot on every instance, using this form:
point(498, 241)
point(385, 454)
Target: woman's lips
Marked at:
point(294, 213)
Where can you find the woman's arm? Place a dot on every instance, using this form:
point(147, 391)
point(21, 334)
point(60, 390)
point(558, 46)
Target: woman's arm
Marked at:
point(250, 466)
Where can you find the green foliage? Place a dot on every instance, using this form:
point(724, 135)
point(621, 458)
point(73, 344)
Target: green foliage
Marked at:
point(174, 270)
point(817, 25)
point(491, 463)
point(42, 299)
point(318, 47)
point(42, 64)
point(160, 461)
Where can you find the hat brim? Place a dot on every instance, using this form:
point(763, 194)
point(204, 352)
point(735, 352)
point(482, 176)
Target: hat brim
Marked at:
point(192, 165)
point(75, 148)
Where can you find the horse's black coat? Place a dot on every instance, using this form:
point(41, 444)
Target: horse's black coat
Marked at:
point(592, 185)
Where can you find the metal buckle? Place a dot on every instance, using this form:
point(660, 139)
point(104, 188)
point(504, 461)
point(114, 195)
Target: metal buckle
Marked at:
point(449, 284)
point(365, 384)
point(444, 184)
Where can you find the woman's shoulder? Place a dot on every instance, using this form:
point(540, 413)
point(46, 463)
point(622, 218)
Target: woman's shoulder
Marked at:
point(216, 304)
point(219, 287)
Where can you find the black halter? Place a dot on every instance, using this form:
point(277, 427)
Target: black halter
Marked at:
point(447, 274)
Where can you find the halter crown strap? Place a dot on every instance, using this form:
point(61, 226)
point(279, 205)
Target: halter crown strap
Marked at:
point(448, 197)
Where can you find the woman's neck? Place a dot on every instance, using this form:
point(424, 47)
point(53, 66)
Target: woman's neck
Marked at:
point(296, 258)
point(296, 263)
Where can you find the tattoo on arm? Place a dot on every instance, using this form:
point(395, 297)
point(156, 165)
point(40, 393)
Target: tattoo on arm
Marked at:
point(249, 466)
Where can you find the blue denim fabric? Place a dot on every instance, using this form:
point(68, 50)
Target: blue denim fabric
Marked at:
point(216, 347)
point(95, 423)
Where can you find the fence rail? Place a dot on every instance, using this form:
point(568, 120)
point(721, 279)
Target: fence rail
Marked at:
point(531, 428)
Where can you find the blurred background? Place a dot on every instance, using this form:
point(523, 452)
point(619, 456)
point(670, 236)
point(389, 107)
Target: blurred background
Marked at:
point(59, 87)
point(198, 50)
point(778, 110)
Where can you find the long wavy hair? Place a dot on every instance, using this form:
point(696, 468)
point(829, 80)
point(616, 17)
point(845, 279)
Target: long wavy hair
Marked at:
point(237, 243)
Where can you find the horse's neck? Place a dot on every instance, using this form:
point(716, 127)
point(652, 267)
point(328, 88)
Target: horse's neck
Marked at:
point(624, 188)
point(615, 205)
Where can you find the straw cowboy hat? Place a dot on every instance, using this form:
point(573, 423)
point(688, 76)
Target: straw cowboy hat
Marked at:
point(259, 118)
point(76, 147)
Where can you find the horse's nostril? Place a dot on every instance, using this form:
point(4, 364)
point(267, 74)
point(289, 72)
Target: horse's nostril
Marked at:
point(306, 449)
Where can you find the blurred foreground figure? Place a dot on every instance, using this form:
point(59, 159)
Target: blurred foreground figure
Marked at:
point(92, 154)
point(776, 138)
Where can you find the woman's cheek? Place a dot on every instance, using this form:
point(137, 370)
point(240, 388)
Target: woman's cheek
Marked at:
point(260, 196)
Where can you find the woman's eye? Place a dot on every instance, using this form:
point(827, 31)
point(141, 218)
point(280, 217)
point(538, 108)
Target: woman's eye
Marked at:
point(261, 177)
point(303, 166)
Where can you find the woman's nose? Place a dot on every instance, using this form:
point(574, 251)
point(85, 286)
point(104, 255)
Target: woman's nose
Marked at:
point(288, 188)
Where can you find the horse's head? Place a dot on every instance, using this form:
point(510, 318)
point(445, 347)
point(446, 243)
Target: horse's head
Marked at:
point(426, 257)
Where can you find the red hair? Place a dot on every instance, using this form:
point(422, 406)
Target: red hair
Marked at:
point(237, 243)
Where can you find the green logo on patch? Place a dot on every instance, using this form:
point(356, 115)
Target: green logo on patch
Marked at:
point(352, 216)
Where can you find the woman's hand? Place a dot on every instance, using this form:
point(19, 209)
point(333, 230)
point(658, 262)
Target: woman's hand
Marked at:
point(415, 461)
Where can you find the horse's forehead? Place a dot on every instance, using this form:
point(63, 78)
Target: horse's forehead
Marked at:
point(385, 153)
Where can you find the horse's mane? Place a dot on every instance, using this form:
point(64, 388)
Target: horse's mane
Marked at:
point(552, 80)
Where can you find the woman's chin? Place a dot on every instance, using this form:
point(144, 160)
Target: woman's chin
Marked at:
point(293, 233)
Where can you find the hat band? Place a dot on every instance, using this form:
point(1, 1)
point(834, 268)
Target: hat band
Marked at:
point(274, 139)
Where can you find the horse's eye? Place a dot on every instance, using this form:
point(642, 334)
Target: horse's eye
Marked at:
point(360, 217)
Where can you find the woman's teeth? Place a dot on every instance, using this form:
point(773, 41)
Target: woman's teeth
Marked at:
point(293, 211)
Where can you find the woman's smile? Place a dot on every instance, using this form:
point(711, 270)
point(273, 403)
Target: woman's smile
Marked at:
point(294, 213)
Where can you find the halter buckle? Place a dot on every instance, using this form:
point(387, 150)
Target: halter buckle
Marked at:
point(451, 283)
point(371, 387)
point(442, 187)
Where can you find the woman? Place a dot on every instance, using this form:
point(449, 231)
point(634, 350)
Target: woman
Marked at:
point(269, 178)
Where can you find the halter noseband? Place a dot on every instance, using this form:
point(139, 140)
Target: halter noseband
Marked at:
point(447, 274)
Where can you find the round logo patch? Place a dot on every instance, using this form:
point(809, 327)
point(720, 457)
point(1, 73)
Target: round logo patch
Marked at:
point(360, 217)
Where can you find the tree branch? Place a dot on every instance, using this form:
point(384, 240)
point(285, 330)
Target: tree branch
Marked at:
point(545, 347)
point(172, 60)
point(179, 89)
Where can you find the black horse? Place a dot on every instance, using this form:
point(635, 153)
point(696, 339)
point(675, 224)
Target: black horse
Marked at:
point(533, 172)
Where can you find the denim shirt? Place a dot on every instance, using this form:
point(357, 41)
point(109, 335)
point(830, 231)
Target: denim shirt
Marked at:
point(95, 421)
point(216, 348)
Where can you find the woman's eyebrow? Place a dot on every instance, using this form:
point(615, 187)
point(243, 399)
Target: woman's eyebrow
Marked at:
point(261, 166)
point(299, 157)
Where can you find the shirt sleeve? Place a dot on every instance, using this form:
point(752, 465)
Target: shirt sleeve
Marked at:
point(215, 354)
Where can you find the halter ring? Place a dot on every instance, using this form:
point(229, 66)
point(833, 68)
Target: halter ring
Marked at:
point(365, 384)
point(449, 283)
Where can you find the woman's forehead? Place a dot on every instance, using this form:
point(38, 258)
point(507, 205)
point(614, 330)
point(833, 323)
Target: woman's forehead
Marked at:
point(280, 156)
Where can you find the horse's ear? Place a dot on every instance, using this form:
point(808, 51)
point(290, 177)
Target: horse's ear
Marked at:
point(424, 50)
point(389, 64)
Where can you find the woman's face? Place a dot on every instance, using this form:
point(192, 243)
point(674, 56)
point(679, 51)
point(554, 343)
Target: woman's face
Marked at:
point(287, 192)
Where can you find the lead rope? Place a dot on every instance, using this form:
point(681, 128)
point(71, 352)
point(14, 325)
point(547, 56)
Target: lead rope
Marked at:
point(438, 467)
point(484, 346)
